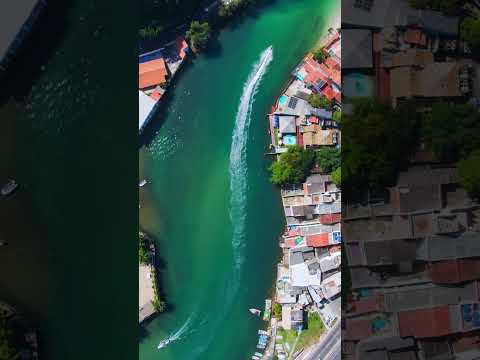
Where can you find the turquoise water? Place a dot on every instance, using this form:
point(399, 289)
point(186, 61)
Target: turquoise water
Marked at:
point(210, 206)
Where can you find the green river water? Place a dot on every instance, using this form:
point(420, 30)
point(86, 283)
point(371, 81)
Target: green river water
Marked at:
point(209, 204)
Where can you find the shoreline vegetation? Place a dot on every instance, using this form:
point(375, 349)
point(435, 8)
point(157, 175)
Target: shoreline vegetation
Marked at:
point(147, 257)
point(294, 165)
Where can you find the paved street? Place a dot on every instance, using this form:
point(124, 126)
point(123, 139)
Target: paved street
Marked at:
point(327, 348)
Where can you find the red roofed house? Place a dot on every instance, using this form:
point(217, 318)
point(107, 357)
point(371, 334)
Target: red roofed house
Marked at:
point(357, 329)
point(416, 37)
point(455, 271)
point(423, 323)
point(152, 73)
point(368, 305)
point(328, 219)
point(182, 47)
point(317, 240)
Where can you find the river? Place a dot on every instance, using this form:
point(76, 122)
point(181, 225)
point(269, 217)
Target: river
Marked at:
point(209, 204)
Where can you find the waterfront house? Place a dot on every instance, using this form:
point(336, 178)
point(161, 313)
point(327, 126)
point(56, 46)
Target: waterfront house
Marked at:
point(152, 74)
point(18, 19)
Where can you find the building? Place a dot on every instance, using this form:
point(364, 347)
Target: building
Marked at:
point(152, 74)
point(146, 109)
point(18, 18)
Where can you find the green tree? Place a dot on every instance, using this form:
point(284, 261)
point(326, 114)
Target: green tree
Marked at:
point(143, 250)
point(319, 101)
point(469, 172)
point(198, 35)
point(337, 116)
point(380, 142)
point(277, 311)
point(470, 32)
point(328, 158)
point(451, 131)
point(293, 166)
point(159, 305)
point(337, 176)
point(320, 55)
point(7, 350)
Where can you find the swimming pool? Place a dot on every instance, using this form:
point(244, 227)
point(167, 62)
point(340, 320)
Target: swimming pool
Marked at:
point(282, 100)
point(289, 139)
point(357, 84)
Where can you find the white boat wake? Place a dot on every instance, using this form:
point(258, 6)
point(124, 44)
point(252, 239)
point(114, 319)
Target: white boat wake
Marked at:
point(238, 151)
point(176, 335)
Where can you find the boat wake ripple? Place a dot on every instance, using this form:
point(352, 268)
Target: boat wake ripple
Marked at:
point(177, 335)
point(238, 161)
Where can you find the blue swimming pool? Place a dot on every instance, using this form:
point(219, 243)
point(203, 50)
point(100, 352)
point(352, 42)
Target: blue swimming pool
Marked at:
point(289, 139)
point(357, 84)
point(282, 100)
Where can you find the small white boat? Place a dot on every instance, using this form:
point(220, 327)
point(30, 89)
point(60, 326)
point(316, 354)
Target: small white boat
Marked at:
point(142, 183)
point(258, 354)
point(163, 343)
point(263, 332)
point(255, 311)
point(255, 358)
point(9, 188)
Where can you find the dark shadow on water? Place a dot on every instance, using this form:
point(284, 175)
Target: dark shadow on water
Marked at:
point(214, 49)
point(38, 47)
point(152, 128)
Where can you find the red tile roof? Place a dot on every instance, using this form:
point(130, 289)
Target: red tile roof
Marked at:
point(156, 95)
point(152, 73)
point(422, 323)
point(317, 240)
point(182, 46)
point(327, 219)
point(313, 119)
point(455, 271)
point(416, 36)
point(357, 329)
point(368, 305)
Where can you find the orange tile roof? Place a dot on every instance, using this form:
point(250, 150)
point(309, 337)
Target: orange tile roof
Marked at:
point(317, 240)
point(415, 36)
point(152, 73)
point(422, 323)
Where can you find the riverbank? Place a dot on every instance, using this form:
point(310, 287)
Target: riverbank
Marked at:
point(213, 276)
point(308, 282)
point(150, 301)
point(17, 338)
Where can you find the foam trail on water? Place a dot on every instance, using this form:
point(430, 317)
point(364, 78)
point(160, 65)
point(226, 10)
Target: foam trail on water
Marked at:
point(238, 161)
point(177, 335)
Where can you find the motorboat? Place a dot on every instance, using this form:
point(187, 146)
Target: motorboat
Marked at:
point(9, 188)
point(255, 311)
point(262, 332)
point(163, 343)
point(142, 183)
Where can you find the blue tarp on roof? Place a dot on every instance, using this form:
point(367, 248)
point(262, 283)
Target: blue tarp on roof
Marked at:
point(152, 55)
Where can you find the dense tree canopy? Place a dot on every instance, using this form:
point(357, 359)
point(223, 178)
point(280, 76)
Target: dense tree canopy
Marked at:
point(378, 141)
point(319, 101)
point(7, 350)
point(198, 35)
point(337, 176)
point(293, 166)
point(452, 131)
point(328, 158)
point(469, 171)
point(470, 32)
